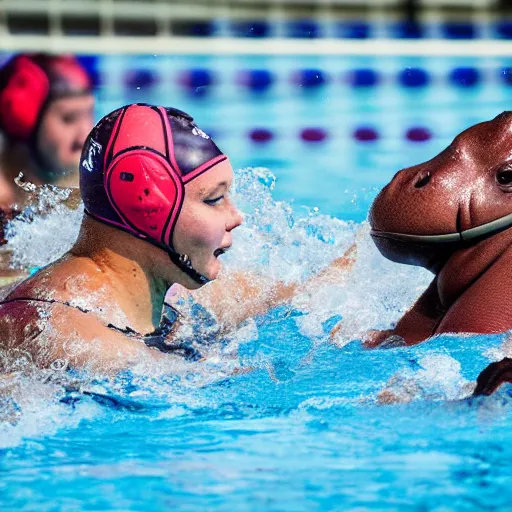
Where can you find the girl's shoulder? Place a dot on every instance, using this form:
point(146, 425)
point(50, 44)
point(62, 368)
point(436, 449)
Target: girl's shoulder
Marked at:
point(52, 333)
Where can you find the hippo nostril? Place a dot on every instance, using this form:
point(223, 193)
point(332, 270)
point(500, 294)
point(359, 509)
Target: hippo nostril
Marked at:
point(424, 180)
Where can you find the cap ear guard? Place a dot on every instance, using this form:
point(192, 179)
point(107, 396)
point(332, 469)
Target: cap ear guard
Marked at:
point(146, 193)
point(23, 98)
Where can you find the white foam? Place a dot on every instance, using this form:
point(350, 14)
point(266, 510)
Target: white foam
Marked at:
point(437, 378)
point(45, 231)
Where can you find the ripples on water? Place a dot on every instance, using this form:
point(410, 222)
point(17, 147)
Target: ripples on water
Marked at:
point(278, 417)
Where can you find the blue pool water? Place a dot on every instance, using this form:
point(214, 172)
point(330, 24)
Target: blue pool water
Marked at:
point(305, 424)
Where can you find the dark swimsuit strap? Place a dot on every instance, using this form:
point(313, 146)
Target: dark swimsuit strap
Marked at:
point(46, 301)
point(155, 339)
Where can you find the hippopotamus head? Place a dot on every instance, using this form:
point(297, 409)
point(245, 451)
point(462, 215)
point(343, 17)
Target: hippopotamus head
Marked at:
point(461, 196)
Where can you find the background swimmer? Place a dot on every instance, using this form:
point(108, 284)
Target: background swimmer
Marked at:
point(46, 112)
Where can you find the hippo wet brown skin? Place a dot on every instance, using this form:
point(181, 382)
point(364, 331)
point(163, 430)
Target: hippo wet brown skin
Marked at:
point(452, 215)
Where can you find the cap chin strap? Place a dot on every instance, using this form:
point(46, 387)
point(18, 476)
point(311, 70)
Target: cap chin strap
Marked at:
point(182, 261)
point(473, 234)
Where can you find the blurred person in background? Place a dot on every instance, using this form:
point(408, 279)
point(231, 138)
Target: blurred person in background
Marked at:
point(46, 113)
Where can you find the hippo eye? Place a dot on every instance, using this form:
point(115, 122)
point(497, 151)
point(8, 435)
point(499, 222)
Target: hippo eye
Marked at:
point(504, 177)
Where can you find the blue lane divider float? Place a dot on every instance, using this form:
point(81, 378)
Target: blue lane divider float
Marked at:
point(503, 29)
point(256, 80)
point(199, 29)
point(458, 30)
point(414, 77)
point(506, 75)
point(464, 76)
point(407, 30)
point(364, 77)
point(353, 30)
point(404, 29)
point(359, 29)
point(254, 28)
point(140, 79)
point(197, 81)
point(309, 78)
point(304, 29)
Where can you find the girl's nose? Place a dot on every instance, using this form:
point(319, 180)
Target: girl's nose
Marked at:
point(235, 219)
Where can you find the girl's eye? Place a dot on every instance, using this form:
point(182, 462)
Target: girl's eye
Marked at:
point(213, 201)
point(69, 118)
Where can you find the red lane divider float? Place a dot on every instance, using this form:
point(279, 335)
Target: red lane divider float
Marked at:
point(418, 134)
point(365, 134)
point(261, 135)
point(314, 134)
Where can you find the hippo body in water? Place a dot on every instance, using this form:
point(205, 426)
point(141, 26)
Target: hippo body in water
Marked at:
point(452, 215)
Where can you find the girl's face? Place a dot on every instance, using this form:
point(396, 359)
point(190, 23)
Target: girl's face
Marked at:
point(203, 229)
point(63, 130)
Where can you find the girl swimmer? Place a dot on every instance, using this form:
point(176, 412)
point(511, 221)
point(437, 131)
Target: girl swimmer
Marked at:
point(155, 189)
point(157, 212)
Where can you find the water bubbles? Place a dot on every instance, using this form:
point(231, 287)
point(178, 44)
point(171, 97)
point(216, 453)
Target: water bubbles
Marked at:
point(59, 365)
point(434, 376)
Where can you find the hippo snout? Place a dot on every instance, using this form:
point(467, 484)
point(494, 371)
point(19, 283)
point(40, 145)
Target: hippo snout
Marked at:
point(412, 204)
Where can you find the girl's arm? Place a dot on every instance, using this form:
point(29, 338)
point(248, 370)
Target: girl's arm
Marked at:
point(55, 334)
point(233, 299)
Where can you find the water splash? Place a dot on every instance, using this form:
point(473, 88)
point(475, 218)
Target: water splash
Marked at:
point(45, 230)
point(283, 362)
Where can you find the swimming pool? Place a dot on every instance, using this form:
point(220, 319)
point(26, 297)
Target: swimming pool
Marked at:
point(304, 427)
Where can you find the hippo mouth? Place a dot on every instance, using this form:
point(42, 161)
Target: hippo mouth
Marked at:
point(468, 235)
point(449, 238)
